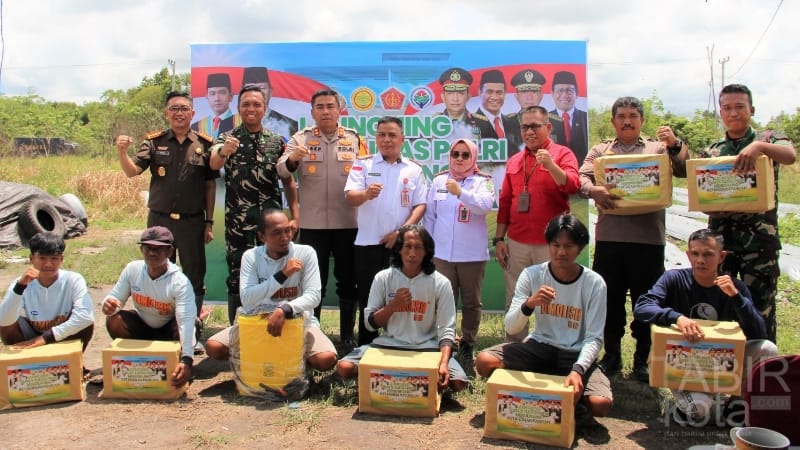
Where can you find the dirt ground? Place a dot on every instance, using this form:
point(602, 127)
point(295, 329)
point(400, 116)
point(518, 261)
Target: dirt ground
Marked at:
point(212, 415)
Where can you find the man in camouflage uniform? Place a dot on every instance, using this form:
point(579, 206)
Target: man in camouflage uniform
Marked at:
point(455, 95)
point(178, 159)
point(249, 154)
point(751, 240)
point(322, 156)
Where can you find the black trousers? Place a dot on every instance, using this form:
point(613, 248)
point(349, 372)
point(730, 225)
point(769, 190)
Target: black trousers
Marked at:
point(338, 243)
point(370, 259)
point(627, 267)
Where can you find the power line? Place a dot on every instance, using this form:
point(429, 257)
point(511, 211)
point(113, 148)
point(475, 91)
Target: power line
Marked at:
point(772, 19)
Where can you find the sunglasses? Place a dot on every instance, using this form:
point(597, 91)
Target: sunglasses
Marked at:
point(464, 155)
point(531, 126)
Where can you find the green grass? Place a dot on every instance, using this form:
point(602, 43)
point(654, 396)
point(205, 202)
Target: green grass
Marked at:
point(113, 204)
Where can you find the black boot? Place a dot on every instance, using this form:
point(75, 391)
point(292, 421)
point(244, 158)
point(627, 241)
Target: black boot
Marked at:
point(347, 321)
point(640, 370)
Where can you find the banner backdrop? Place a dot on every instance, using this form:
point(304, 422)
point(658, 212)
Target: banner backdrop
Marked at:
point(400, 79)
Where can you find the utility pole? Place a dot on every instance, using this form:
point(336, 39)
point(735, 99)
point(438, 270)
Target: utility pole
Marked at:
point(171, 62)
point(722, 63)
point(713, 95)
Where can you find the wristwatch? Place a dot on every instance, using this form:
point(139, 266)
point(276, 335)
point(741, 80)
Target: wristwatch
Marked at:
point(497, 239)
point(219, 152)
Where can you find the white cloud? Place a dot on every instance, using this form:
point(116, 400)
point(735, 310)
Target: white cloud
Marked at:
point(75, 50)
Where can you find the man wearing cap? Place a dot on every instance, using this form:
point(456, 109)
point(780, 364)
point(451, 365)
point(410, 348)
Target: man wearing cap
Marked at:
point(250, 155)
point(528, 84)
point(182, 186)
point(219, 96)
point(493, 96)
point(569, 123)
point(163, 301)
point(455, 95)
point(322, 156)
point(273, 120)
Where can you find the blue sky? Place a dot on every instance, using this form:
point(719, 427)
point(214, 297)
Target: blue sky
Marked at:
point(74, 50)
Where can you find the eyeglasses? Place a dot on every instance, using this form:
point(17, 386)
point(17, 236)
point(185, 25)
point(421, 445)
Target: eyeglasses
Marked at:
point(562, 91)
point(464, 155)
point(176, 108)
point(531, 126)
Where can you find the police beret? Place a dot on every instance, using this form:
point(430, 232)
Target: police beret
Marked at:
point(455, 79)
point(528, 80)
point(565, 77)
point(253, 75)
point(219, 80)
point(493, 76)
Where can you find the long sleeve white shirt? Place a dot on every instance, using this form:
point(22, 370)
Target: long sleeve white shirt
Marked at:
point(158, 300)
point(64, 307)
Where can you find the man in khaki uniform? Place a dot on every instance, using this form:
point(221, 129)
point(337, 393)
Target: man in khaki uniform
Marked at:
point(322, 156)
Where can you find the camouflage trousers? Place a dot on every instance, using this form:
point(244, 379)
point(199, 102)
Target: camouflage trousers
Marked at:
point(753, 258)
point(239, 237)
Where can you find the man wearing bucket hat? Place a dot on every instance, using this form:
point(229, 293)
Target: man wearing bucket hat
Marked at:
point(163, 300)
point(273, 120)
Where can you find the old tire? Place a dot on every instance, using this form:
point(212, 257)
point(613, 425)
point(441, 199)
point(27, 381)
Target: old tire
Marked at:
point(38, 215)
point(75, 205)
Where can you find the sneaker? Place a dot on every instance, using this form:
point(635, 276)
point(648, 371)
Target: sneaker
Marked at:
point(199, 349)
point(611, 364)
point(640, 370)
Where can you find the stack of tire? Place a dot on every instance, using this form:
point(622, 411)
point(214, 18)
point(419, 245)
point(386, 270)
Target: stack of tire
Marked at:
point(39, 215)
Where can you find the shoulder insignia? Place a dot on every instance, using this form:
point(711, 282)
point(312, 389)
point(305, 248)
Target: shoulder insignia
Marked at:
point(480, 116)
point(413, 161)
point(554, 117)
point(155, 134)
point(441, 173)
point(482, 174)
point(512, 115)
point(204, 136)
point(606, 141)
point(364, 157)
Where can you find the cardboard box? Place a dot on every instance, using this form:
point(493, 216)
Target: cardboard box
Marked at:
point(715, 187)
point(265, 359)
point(140, 369)
point(529, 407)
point(399, 382)
point(711, 365)
point(51, 373)
point(643, 182)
